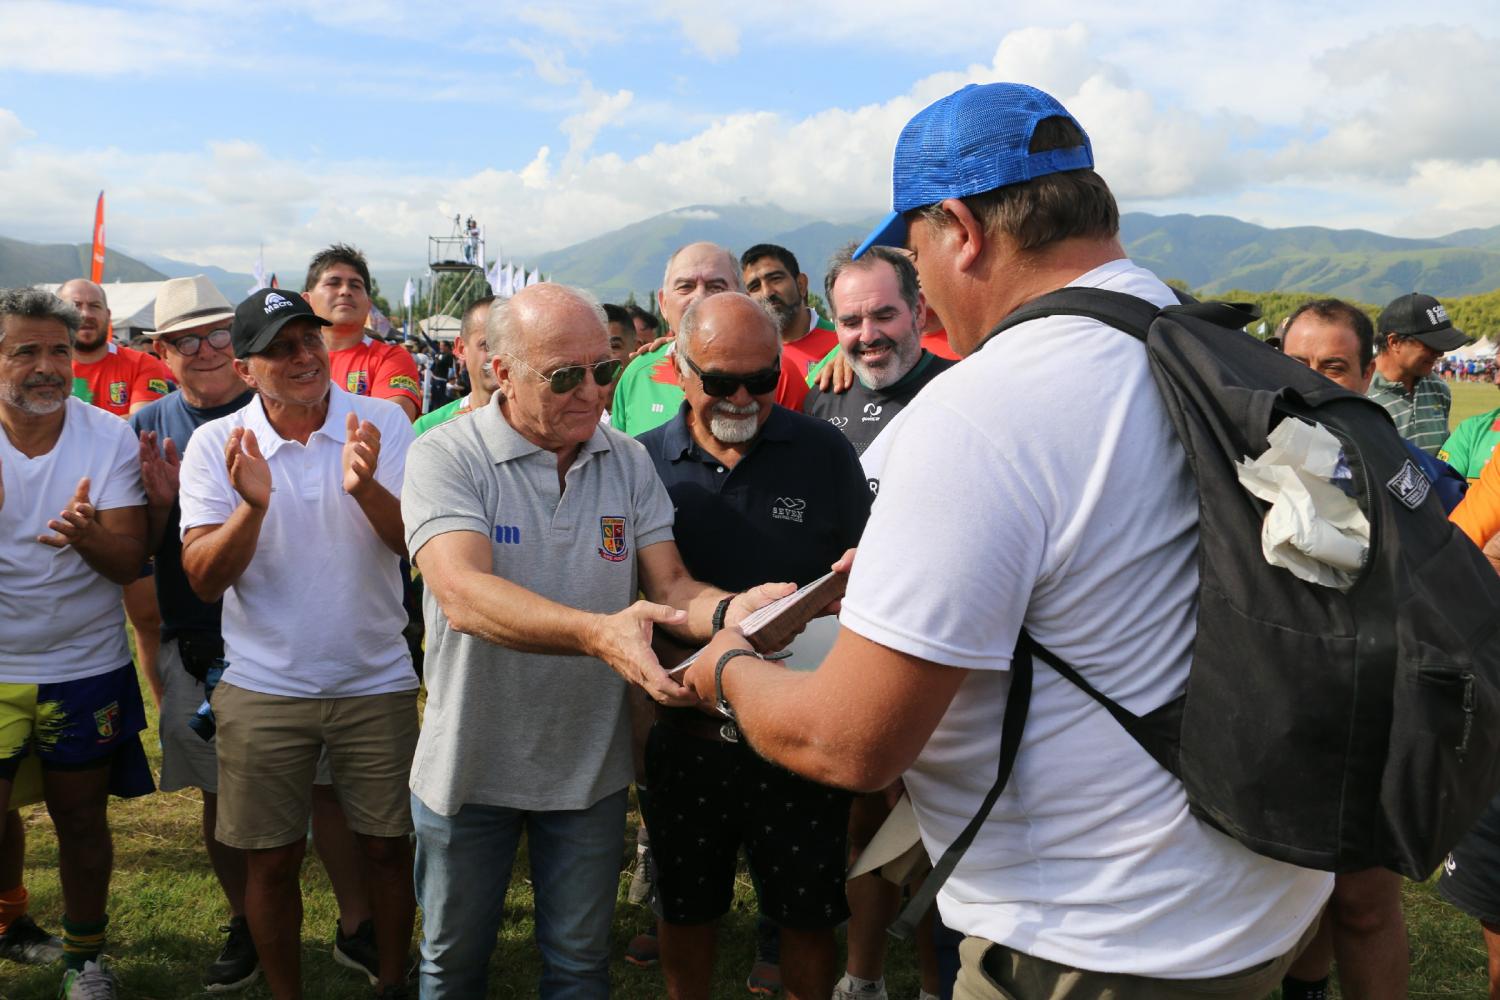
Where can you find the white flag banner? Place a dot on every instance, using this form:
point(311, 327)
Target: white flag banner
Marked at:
point(479, 256)
point(535, 278)
point(493, 277)
point(259, 272)
point(408, 294)
point(378, 322)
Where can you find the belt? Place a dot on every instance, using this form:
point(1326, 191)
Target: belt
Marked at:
point(694, 723)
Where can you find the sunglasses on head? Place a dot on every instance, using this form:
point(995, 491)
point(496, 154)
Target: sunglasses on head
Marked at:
point(188, 344)
point(570, 377)
point(755, 383)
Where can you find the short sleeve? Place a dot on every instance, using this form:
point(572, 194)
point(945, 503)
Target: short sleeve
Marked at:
point(439, 494)
point(153, 380)
point(963, 602)
point(396, 438)
point(1457, 451)
point(395, 377)
point(1478, 515)
point(121, 485)
point(204, 492)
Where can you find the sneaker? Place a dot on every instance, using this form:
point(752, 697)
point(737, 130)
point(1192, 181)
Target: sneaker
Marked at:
point(92, 982)
point(357, 951)
point(765, 973)
point(643, 951)
point(25, 942)
point(237, 964)
point(846, 990)
point(643, 879)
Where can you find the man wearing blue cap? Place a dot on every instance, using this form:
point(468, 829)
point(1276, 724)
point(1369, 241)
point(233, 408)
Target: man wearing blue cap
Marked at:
point(1090, 878)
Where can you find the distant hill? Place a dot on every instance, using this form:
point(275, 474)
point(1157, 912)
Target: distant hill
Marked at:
point(24, 263)
point(1211, 253)
point(233, 285)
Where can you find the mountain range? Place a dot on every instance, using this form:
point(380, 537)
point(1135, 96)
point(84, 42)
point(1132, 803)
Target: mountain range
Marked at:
point(1210, 253)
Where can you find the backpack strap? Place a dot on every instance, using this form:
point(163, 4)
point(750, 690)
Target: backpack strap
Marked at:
point(1017, 703)
point(1125, 313)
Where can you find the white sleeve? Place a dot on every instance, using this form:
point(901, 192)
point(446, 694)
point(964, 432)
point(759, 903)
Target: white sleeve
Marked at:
point(120, 484)
point(204, 492)
point(953, 548)
point(395, 438)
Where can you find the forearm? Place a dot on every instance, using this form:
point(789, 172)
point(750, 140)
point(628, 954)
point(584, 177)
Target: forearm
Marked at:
point(214, 561)
point(496, 610)
point(156, 526)
point(115, 556)
point(383, 511)
point(698, 599)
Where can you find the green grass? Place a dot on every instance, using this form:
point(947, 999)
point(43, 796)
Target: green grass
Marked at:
point(1470, 398)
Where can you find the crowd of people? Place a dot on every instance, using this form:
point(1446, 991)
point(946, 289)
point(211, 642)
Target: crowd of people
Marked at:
point(593, 497)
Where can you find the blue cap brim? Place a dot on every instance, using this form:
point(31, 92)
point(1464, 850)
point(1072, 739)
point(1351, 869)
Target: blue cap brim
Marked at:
point(890, 233)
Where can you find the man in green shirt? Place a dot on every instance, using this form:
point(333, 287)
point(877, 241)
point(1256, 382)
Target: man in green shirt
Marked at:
point(1472, 442)
point(1414, 331)
point(472, 351)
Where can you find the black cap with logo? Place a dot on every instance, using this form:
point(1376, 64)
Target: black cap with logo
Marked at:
point(1422, 318)
point(259, 318)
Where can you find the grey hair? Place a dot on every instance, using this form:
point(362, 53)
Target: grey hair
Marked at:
point(500, 332)
point(690, 323)
point(34, 303)
point(734, 264)
point(843, 260)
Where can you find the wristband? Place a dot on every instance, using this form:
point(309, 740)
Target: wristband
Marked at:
point(729, 730)
point(719, 613)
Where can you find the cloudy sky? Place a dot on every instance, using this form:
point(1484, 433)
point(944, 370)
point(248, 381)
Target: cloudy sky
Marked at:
point(216, 127)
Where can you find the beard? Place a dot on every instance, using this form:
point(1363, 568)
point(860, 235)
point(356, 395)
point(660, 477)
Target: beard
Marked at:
point(903, 354)
point(88, 339)
point(734, 424)
point(16, 396)
point(786, 313)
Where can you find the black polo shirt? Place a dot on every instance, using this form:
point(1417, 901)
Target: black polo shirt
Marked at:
point(861, 413)
point(785, 512)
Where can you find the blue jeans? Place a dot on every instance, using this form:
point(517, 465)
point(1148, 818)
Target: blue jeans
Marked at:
point(463, 867)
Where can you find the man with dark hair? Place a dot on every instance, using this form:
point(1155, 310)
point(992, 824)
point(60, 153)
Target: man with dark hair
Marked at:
point(472, 352)
point(1414, 331)
point(338, 287)
point(773, 278)
point(1090, 875)
point(1333, 338)
point(621, 343)
point(878, 314)
point(68, 691)
point(647, 325)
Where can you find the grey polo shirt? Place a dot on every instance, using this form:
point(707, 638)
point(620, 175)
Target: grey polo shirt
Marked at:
point(528, 730)
point(1421, 416)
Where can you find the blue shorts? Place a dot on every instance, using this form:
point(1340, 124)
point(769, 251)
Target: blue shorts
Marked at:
point(71, 725)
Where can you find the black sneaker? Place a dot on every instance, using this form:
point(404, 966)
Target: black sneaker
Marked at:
point(25, 942)
point(357, 951)
point(237, 964)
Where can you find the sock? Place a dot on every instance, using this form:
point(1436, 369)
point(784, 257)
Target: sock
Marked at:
point(854, 984)
point(12, 906)
point(1301, 989)
point(82, 942)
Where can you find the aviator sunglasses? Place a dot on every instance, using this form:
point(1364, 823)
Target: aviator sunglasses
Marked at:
point(755, 383)
point(570, 377)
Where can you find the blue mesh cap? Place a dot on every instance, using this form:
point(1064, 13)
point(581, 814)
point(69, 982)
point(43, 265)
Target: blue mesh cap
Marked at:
point(974, 140)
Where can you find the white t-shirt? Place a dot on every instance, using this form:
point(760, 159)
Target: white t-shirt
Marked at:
point(1008, 498)
point(61, 620)
point(317, 613)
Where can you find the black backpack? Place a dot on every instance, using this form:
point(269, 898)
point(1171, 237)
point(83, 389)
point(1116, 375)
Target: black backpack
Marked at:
point(1338, 731)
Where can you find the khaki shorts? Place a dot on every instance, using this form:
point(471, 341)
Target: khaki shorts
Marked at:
point(268, 753)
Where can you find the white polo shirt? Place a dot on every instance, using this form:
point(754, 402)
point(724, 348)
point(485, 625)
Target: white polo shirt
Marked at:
point(59, 619)
point(317, 613)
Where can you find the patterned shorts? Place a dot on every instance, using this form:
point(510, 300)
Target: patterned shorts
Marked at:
point(70, 725)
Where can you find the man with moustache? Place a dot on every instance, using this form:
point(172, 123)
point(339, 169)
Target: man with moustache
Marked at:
point(1413, 332)
point(109, 375)
point(289, 512)
point(68, 691)
point(773, 277)
point(650, 389)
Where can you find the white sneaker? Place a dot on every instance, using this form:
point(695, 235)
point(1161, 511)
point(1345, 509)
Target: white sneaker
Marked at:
point(94, 982)
point(845, 990)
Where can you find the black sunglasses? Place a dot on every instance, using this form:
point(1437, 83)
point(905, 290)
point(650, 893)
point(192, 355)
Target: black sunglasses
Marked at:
point(570, 377)
point(188, 344)
point(755, 383)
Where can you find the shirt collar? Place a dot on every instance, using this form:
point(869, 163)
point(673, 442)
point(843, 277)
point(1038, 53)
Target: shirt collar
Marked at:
point(679, 439)
point(506, 444)
point(269, 440)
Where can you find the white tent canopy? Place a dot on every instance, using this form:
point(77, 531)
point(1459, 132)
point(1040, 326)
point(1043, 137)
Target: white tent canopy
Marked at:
point(1484, 347)
point(440, 326)
point(132, 304)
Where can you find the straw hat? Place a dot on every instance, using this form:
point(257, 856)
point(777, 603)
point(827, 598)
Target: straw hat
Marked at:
point(184, 303)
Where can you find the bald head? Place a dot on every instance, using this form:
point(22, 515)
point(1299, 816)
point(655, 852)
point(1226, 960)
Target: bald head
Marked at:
point(694, 272)
point(93, 310)
point(731, 323)
point(524, 324)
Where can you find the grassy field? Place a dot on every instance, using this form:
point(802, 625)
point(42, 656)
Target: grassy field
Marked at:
point(166, 908)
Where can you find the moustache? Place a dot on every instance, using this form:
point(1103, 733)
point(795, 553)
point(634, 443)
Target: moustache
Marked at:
point(884, 343)
point(35, 381)
point(728, 409)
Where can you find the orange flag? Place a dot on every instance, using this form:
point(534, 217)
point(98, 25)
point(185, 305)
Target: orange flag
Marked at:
point(96, 272)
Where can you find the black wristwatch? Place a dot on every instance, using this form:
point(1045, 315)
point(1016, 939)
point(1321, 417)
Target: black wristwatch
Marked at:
point(720, 612)
point(729, 730)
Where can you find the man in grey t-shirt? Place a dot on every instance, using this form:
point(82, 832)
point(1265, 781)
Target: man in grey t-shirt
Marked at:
point(535, 528)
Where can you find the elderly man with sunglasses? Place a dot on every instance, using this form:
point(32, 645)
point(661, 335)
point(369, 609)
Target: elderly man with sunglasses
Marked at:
point(536, 528)
point(761, 492)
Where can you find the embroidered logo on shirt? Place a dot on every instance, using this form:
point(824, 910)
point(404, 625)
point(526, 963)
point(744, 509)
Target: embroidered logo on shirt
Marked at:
point(872, 413)
point(612, 545)
point(789, 509)
point(104, 721)
point(158, 385)
point(507, 534)
point(358, 383)
point(117, 393)
point(404, 382)
point(658, 408)
point(839, 421)
point(1409, 485)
